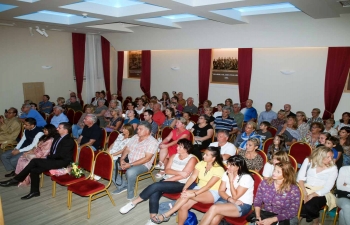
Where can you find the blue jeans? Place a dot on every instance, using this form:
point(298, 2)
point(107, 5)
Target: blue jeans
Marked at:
point(344, 214)
point(130, 175)
point(346, 160)
point(155, 191)
point(76, 130)
point(9, 160)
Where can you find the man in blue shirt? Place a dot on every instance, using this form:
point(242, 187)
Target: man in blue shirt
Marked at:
point(45, 106)
point(32, 113)
point(249, 112)
point(59, 116)
point(267, 115)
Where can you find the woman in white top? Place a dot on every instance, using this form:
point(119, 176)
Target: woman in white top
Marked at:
point(219, 112)
point(140, 106)
point(178, 170)
point(316, 178)
point(277, 157)
point(236, 193)
point(187, 117)
point(343, 184)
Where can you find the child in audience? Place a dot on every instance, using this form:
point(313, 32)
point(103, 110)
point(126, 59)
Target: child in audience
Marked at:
point(278, 144)
point(333, 143)
point(329, 127)
point(277, 157)
point(263, 132)
point(219, 112)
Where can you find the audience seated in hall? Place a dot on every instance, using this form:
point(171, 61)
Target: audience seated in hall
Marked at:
point(329, 127)
point(115, 98)
point(206, 104)
point(28, 112)
point(290, 130)
point(100, 111)
point(343, 184)
point(187, 117)
point(267, 115)
point(133, 119)
point(190, 107)
point(229, 103)
point(61, 102)
point(344, 121)
point(95, 99)
point(108, 113)
point(276, 157)
point(74, 104)
point(34, 106)
point(219, 110)
point(175, 100)
point(181, 101)
point(45, 105)
point(203, 133)
point(165, 99)
point(277, 145)
point(9, 126)
point(249, 132)
point(169, 118)
point(344, 141)
point(72, 94)
point(140, 106)
point(208, 112)
point(91, 134)
point(280, 120)
point(249, 112)
point(313, 134)
point(59, 116)
point(115, 121)
point(253, 159)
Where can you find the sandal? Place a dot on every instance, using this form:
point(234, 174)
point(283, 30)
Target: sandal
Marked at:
point(155, 219)
point(161, 174)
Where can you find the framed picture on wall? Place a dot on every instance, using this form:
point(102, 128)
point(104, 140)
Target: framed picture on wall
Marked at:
point(135, 64)
point(225, 66)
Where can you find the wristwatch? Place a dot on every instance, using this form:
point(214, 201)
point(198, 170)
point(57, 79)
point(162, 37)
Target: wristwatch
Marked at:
point(131, 165)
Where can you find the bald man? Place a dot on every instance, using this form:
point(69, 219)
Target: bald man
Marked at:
point(287, 108)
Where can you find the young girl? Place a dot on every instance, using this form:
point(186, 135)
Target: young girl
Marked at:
point(278, 145)
point(219, 112)
point(277, 157)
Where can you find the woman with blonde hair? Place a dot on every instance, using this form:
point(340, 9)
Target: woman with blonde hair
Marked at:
point(253, 159)
point(277, 157)
point(115, 122)
point(316, 178)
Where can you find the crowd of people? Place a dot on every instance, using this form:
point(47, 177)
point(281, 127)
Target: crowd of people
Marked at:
point(225, 138)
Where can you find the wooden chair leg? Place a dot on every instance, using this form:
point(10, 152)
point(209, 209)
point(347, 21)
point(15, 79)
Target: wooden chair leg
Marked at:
point(41, 180)
point(53, 189)
point(69, 199)
point(136, 186)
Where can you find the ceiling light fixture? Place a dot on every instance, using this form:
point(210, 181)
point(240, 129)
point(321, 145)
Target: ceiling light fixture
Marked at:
point(31, 31)
point(39, 31)
point(44, 33)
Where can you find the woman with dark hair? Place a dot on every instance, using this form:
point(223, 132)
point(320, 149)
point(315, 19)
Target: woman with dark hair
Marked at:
point(40, 151)
point(236, 193)
point(345, 120)
point(278, 144)
point(209, 173)
point(165, 100)
point(187, 117)
point(203, 133)
point(140, 106)
point(177, 171)
point(133, 119)
point(344, 141)
point(169, 118)
point(314, 133)
point(278, 194)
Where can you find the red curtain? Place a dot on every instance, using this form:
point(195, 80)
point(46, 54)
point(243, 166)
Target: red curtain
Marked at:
point(78, 43)
point(120, 72)
point(338, 64)
point(245, 60)
point(145, 82)
point(106, 48)
point(204, 73)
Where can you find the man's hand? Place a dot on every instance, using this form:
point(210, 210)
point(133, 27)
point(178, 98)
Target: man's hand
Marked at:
point(15, 152)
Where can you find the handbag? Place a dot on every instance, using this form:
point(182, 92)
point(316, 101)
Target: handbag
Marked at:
point(263, 214)
point(342, 194)
point(117, 163)
point(191, 219)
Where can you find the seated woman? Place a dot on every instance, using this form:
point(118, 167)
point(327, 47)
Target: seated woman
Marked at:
point(345, 120)
point(187, 117)
point(343, 184)
point(277, 157)
point(277, 145)
point(314, 133)
point(209, 172)
point(115, 122)
point(100, 111)
point(78, 128)
point(303, 127)
point(236, 193)
point(254, 160)
point(174, 105)
point(140, 106)
point(316, 178)
point(203, 133)
point(119, 104)
point(219, 112)
point(206, 104)
point(344, 141)
point(250, 132)
point(108, 114)
point(40, 151)
point(208, 112)
point(133, 119)
point(290, 130)
point(169, 145)
point(61, 102)
point(280, 195)
point(118, 146)
point(178, 171)
point(169, 118)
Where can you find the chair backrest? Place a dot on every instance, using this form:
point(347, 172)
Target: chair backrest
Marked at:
point(215, 109)
point(19, 136)
point(81, 102)
point(48, 119)
point(70, 115)
point(103, 138)
point(213, 137)
point(264, 157)
point(142, 117)
point(103, 165)
point(194, 117)
point(166, 131)
point(125, 104)
point(86, 158)
point(191, 137)
point(267, 144)
point(257, 180)
point(293, 162)
point(75, 151)
point(77, 116)
point(120, 98)
point(272, 130)
point(112, 137)
point(300, 150)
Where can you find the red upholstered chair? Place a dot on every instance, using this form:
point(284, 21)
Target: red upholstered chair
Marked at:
point(81, 102)
point(86, 161)
point(194, 117)
point(70, 115)
point(215, 109)
point(48, 119)
point(47, 173)
point(293, 162)
point(267, 144)
point(264, 157)
point(91, 188)
point(300, 150)
point(166, 131)
point(111, 138)
point(242, 220)
point(272, 130)
point(77, 116)
point(103, 139)
point(142, 117)
point(192, 137)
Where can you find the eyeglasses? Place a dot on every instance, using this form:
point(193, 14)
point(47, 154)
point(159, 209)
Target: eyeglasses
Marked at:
point(314, 127)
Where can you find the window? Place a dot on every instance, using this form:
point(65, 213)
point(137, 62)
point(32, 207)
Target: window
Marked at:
point(135, 64)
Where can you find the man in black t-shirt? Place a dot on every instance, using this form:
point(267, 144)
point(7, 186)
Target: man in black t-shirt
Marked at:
point(92, 133)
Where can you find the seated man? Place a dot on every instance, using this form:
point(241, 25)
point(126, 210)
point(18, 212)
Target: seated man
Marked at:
point(148, 115)
point(227, 149)
point(61, 154)
point(59, 116)
point(29, 140)
point(237, 115)
point(91, 134)
point(74, 104)
point(9, 127)
point(249, 112)
point(190, 107)
point(225, 122)
point(140, 151)
point(72, 94)
point(28, 112)
point(45, 106)
point(158, 115)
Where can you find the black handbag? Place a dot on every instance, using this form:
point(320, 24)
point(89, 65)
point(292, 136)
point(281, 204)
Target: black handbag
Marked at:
point(117, 163)
point(264, 215)
point(342, 194)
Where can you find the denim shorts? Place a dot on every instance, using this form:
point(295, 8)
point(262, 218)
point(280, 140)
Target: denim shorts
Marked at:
point(242, 209)
point(214, 193)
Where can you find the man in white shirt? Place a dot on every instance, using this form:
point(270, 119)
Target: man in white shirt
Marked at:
point(227, 149)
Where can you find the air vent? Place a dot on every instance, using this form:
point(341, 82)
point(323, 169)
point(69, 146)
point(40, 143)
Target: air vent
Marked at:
point(345, 3)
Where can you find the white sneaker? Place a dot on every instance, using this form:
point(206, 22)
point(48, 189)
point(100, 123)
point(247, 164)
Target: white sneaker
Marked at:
point(159, 167)
point(126, 208)
point(149, 222)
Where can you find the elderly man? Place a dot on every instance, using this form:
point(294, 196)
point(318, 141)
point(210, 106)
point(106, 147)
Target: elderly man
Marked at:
point(140, 150)
point(287, 108)
point(74, 104)
point(45, 106)
point(148, 115)
point(158, 115)
point(267, 115)
point(61, 154)
point(249, 112)
point(28, 112)
point(91, 134)
point(225, 122)
point(237, 115)
point(315, 116)
point(181, 101)
point(227, 149)
point(190, 107)
point(29, 140)
point(9, 127)
point(72, 94)
point(58, 117)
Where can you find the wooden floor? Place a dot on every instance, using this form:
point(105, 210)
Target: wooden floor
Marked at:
point(48, 210)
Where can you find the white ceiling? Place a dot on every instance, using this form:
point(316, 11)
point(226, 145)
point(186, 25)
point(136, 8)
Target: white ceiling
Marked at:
point(108, 16)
